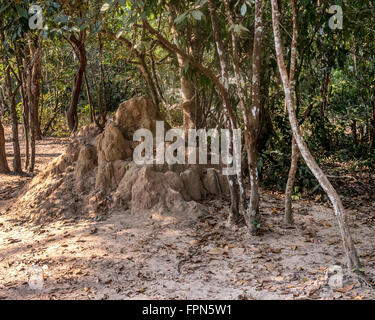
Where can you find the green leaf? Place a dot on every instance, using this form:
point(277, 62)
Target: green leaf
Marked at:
point(5, 7)
point(105, 7)
point(243, 9)
point(180, 18)
point(202, 2)
point(61, 19)
point(22, 11)
point(197, 15)
point(242, 28)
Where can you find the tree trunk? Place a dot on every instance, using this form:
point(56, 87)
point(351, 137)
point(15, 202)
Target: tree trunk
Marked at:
point(72, 115)
point(352, 257)
point(290, 183)
point(4, 168)
point(150, 83)
point(4, 105)
point(353, 126)
point(372, 129)
point(254, 117)
point(25, 105)
point(88, 94)
point(33, 76)
point(187, 87)
point(191, 109)
point(295, 154)
point(251, 123)
point(103, 95)
point(235, 216)
point(35, 89)
point(17, 167)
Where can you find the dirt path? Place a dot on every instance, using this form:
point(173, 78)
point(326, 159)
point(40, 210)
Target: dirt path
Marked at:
point(159, 255)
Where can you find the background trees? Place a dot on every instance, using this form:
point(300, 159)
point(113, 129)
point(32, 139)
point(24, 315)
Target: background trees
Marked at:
point(205, 64)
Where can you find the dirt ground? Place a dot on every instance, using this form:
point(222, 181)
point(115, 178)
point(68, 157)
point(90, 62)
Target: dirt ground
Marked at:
point(161, 255)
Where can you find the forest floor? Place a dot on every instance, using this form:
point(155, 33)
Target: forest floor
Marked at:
point(160, 256)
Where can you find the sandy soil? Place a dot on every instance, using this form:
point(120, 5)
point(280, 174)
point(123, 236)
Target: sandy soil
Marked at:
point(158, 255)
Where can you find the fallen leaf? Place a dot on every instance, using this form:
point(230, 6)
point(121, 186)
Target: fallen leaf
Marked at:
point(217, 251)
point(290, 286)
point(326, 224)
point(279, 279)
point(346, 289)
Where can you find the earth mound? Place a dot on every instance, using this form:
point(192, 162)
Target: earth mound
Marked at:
point(96, 174)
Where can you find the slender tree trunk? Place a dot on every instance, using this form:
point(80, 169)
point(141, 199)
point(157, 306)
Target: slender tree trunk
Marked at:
point(251, 125)
point(150, 83)
point(4, 105)
point(295, 154)
point(352, 257)
point(35, 90)
point(13, 112)
point(235, 216)
point(254, 124)
point(103, 100)
point(88, 94)
point(17, 167)
point(30, 108)
point(72, 115)
point(4, 168)
point(156, 80)
point(353, 126)
point(25, 106)
point(290, 183)
point(188, 92)
point(372, 129)
point(33, 77)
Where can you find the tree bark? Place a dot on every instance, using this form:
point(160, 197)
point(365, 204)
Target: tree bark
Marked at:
point(17, 167)
point(372, 128)
point(231, 124)
point(72, 115)
point(254, 119)
point(290, 183)
point(33, 76)
point(102, 89)
point(352, 257)
point(353, 126)
point(188, 91)
point(37, 76)
point(251, 124)
point(295, 154)
point(25, 105)
point(4, 168)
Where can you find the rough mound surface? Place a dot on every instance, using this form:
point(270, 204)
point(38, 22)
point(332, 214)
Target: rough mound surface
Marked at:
point(96, 174)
